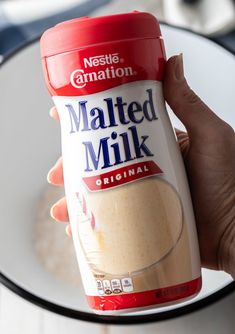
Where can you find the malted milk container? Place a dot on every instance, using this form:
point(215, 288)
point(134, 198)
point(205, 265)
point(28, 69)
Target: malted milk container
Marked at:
point(128, 199)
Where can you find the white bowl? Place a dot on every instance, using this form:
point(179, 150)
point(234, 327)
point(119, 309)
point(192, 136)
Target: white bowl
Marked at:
point(30, 144)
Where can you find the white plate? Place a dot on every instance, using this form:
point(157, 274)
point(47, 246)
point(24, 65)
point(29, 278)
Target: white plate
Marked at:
point(30, 143)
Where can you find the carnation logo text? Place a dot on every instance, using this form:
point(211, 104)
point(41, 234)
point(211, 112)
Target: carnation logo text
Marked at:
point(80, 77)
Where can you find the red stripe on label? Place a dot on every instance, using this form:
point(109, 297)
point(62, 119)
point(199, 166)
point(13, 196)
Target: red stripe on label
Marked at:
point(122, 175)
point(147, 298)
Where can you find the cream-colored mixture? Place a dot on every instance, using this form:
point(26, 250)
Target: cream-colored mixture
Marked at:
point(56, 251)
point(53, 247)
point(136, 226)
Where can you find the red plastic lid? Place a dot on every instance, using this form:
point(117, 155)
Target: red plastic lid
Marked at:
point(86, 31)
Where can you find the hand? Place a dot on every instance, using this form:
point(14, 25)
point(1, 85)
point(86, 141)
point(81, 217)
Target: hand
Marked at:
point(208, 150)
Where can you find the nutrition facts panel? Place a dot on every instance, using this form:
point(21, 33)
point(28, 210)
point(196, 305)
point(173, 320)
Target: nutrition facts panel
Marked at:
point(114, 286)
point(127, 284)
point(107, 287)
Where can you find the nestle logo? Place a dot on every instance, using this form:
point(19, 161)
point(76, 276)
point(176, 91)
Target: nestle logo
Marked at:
point(92, 71)
point(101, 60)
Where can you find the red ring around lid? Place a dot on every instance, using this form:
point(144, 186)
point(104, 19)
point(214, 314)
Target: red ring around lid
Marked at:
point(86, 31)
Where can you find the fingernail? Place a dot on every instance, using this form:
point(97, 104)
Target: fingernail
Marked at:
point(178, 130)
point(68, 230)
point(52, 111)
point(52, 170)
point(179, 67)
point(49, 174)
point(52, 211)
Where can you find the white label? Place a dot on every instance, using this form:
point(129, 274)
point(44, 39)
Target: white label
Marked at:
point(120, 143)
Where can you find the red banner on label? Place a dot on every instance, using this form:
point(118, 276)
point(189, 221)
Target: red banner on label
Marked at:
point(122, 175)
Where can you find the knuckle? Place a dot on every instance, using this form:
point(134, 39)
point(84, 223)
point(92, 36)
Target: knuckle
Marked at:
point(189, 95)
point(228, 133)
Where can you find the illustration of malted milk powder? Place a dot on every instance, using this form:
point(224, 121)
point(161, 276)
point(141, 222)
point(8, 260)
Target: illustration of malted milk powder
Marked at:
point(128, 199)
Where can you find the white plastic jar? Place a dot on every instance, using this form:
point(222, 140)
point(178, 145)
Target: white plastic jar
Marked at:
point(128, 199)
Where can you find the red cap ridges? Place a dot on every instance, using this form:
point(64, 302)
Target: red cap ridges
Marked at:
point(87, 31)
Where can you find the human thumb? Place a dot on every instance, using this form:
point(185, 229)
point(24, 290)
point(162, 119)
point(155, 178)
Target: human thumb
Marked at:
point(187, 106)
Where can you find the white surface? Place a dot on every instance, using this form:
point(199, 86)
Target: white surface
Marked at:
point(24, 11)
point(209, 69)
point(20, 317)
point(206, 17)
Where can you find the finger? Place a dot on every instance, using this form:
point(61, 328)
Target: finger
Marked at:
point(68, 230)
point(55, 175)
point(59, 211)
point(188, 107)
point(180, 133)
point(54, 113)
point(183, 141)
